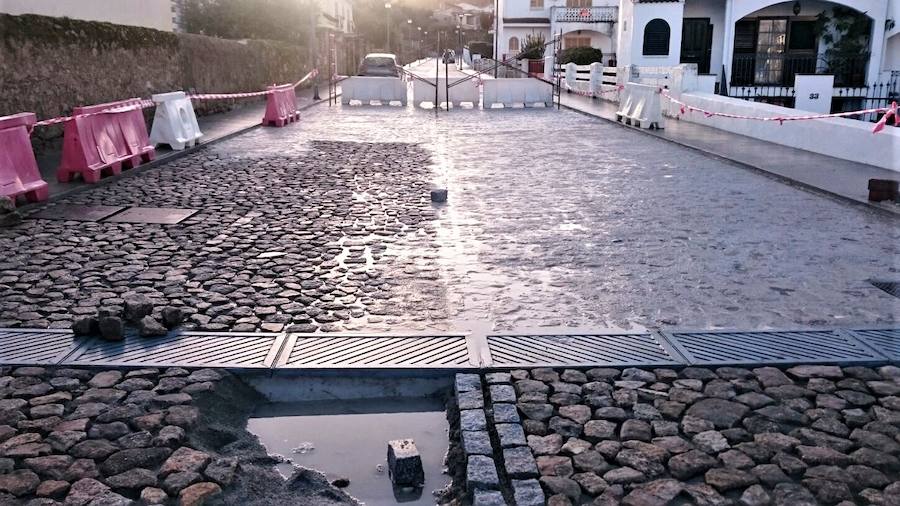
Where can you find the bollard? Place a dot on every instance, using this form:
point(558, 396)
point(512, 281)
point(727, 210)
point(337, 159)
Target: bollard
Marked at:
point(439, 195)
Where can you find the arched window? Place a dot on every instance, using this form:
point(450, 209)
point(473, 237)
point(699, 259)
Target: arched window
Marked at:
point(513, 44)
point(656, 38)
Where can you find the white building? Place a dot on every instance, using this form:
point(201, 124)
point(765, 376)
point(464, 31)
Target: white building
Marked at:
point(336, 16)
point(743, 43)
point(159, 14)
point(466, 15)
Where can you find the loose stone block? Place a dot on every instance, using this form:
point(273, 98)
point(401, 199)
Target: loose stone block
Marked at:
point(506, 413)
point(476, 442)
point(520, 463)
point(511, 434)
point(528, 493)
point(405, 463)
point(472, 419)
point(481, 473)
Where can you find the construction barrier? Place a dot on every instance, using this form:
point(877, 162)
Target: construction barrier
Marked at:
point(462, 91)
point(367, 89)
point(517, 90)
point(572, 82)
point(281, 106)
point(101, 138)
point(174, 122)
point(641, 106)
point(19, 173)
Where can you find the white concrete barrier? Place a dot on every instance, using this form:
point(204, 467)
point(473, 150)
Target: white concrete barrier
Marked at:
point(516, 90)
point(464, 92)
point(174, 122)
point(847, 139)
point(641, 106)
point(366, 89)
point(572, 82)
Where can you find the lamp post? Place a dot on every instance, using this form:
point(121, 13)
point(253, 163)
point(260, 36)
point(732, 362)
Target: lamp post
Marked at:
point(409, 32)
point(387, 24)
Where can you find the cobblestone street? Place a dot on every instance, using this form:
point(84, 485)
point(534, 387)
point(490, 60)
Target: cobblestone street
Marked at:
point(553, 219)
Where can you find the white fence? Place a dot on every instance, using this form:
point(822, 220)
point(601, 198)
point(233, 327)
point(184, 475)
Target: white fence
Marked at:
point(513, 91)
point(368, 89)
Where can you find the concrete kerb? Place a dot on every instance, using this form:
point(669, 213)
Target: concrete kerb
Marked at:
point(159, 161)
point(885, 211)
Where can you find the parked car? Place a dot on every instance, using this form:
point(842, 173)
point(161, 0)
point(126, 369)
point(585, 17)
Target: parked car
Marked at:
point(449, 56)
point(379, 65)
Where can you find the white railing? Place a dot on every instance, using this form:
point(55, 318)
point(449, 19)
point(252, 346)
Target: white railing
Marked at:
point(603, 14)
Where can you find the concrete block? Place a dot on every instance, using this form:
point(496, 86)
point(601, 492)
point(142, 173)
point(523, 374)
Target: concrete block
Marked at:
point(405, 463)
point(481, 473)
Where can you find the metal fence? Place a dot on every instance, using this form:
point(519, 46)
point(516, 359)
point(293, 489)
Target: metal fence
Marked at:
point(780, 68)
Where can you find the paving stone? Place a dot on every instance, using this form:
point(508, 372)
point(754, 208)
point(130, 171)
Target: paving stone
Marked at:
point(519, 463)
point(505, 413)
point(476, 442)
point(527, 493)
point(472, 419)
point(405, 463)
point(481, 473)
point(488, 498)
point(502, 393)
point(510, 434)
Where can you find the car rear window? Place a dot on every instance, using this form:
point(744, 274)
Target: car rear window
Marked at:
point(379, 62)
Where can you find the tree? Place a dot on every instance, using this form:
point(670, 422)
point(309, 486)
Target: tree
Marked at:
point(533, 49)
point(286, 20)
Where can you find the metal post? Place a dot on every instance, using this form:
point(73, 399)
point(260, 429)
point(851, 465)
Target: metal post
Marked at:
point(437, 74)
point(313, 53)
point(447, 83)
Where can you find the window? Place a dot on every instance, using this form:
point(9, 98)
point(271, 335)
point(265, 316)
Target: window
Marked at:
point(537, 4)
point(803, 36)
point(513, 44)
point(572, 41)
point(656, 38)
point(578, 3)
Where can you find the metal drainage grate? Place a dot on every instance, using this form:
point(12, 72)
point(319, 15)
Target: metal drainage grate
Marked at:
point(154, 215)
point(891, 287)
point(76, 212)
point(34, 347)
point(622, 349)
point(188, 349)
point(374, 351)
point(885, 340)
point(724, 348)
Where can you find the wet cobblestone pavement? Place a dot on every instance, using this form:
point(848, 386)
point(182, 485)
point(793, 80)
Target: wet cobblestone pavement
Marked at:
point(554, 219)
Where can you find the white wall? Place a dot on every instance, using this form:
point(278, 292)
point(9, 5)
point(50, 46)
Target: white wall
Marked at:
point(520, 33)
point(847, 139)
point(672, 13)
point(148, 13)
point(892, 53)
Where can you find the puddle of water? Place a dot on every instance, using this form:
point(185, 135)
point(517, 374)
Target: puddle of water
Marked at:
point(349, 439)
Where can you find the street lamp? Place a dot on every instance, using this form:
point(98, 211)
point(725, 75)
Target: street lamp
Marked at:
point(387, 7)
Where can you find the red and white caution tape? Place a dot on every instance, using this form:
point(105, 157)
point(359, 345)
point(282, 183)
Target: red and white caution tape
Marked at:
point(144, 104)
point(890, 111)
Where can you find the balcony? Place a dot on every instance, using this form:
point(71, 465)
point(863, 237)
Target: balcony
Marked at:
point(605, 14)
point(780, 68)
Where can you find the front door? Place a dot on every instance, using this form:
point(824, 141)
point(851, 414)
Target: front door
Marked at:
point(696, 43)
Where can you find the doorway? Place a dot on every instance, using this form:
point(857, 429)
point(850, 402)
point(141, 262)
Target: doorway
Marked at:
point(696, 43)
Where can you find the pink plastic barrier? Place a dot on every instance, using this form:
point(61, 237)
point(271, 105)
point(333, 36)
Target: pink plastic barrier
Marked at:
point(97, 142)
point(281, 106)
point(18, 169)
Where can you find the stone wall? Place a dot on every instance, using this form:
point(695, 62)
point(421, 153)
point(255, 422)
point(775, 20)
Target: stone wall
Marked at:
point(50, 65)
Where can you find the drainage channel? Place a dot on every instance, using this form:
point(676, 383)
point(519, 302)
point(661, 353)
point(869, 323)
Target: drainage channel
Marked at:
point(281, 352)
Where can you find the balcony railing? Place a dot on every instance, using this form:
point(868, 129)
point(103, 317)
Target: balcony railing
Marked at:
point(780, 69)
point(603, 14)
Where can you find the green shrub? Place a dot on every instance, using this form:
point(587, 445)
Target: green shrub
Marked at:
point(580, 55)
point(485, 49)
point(533, 49)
